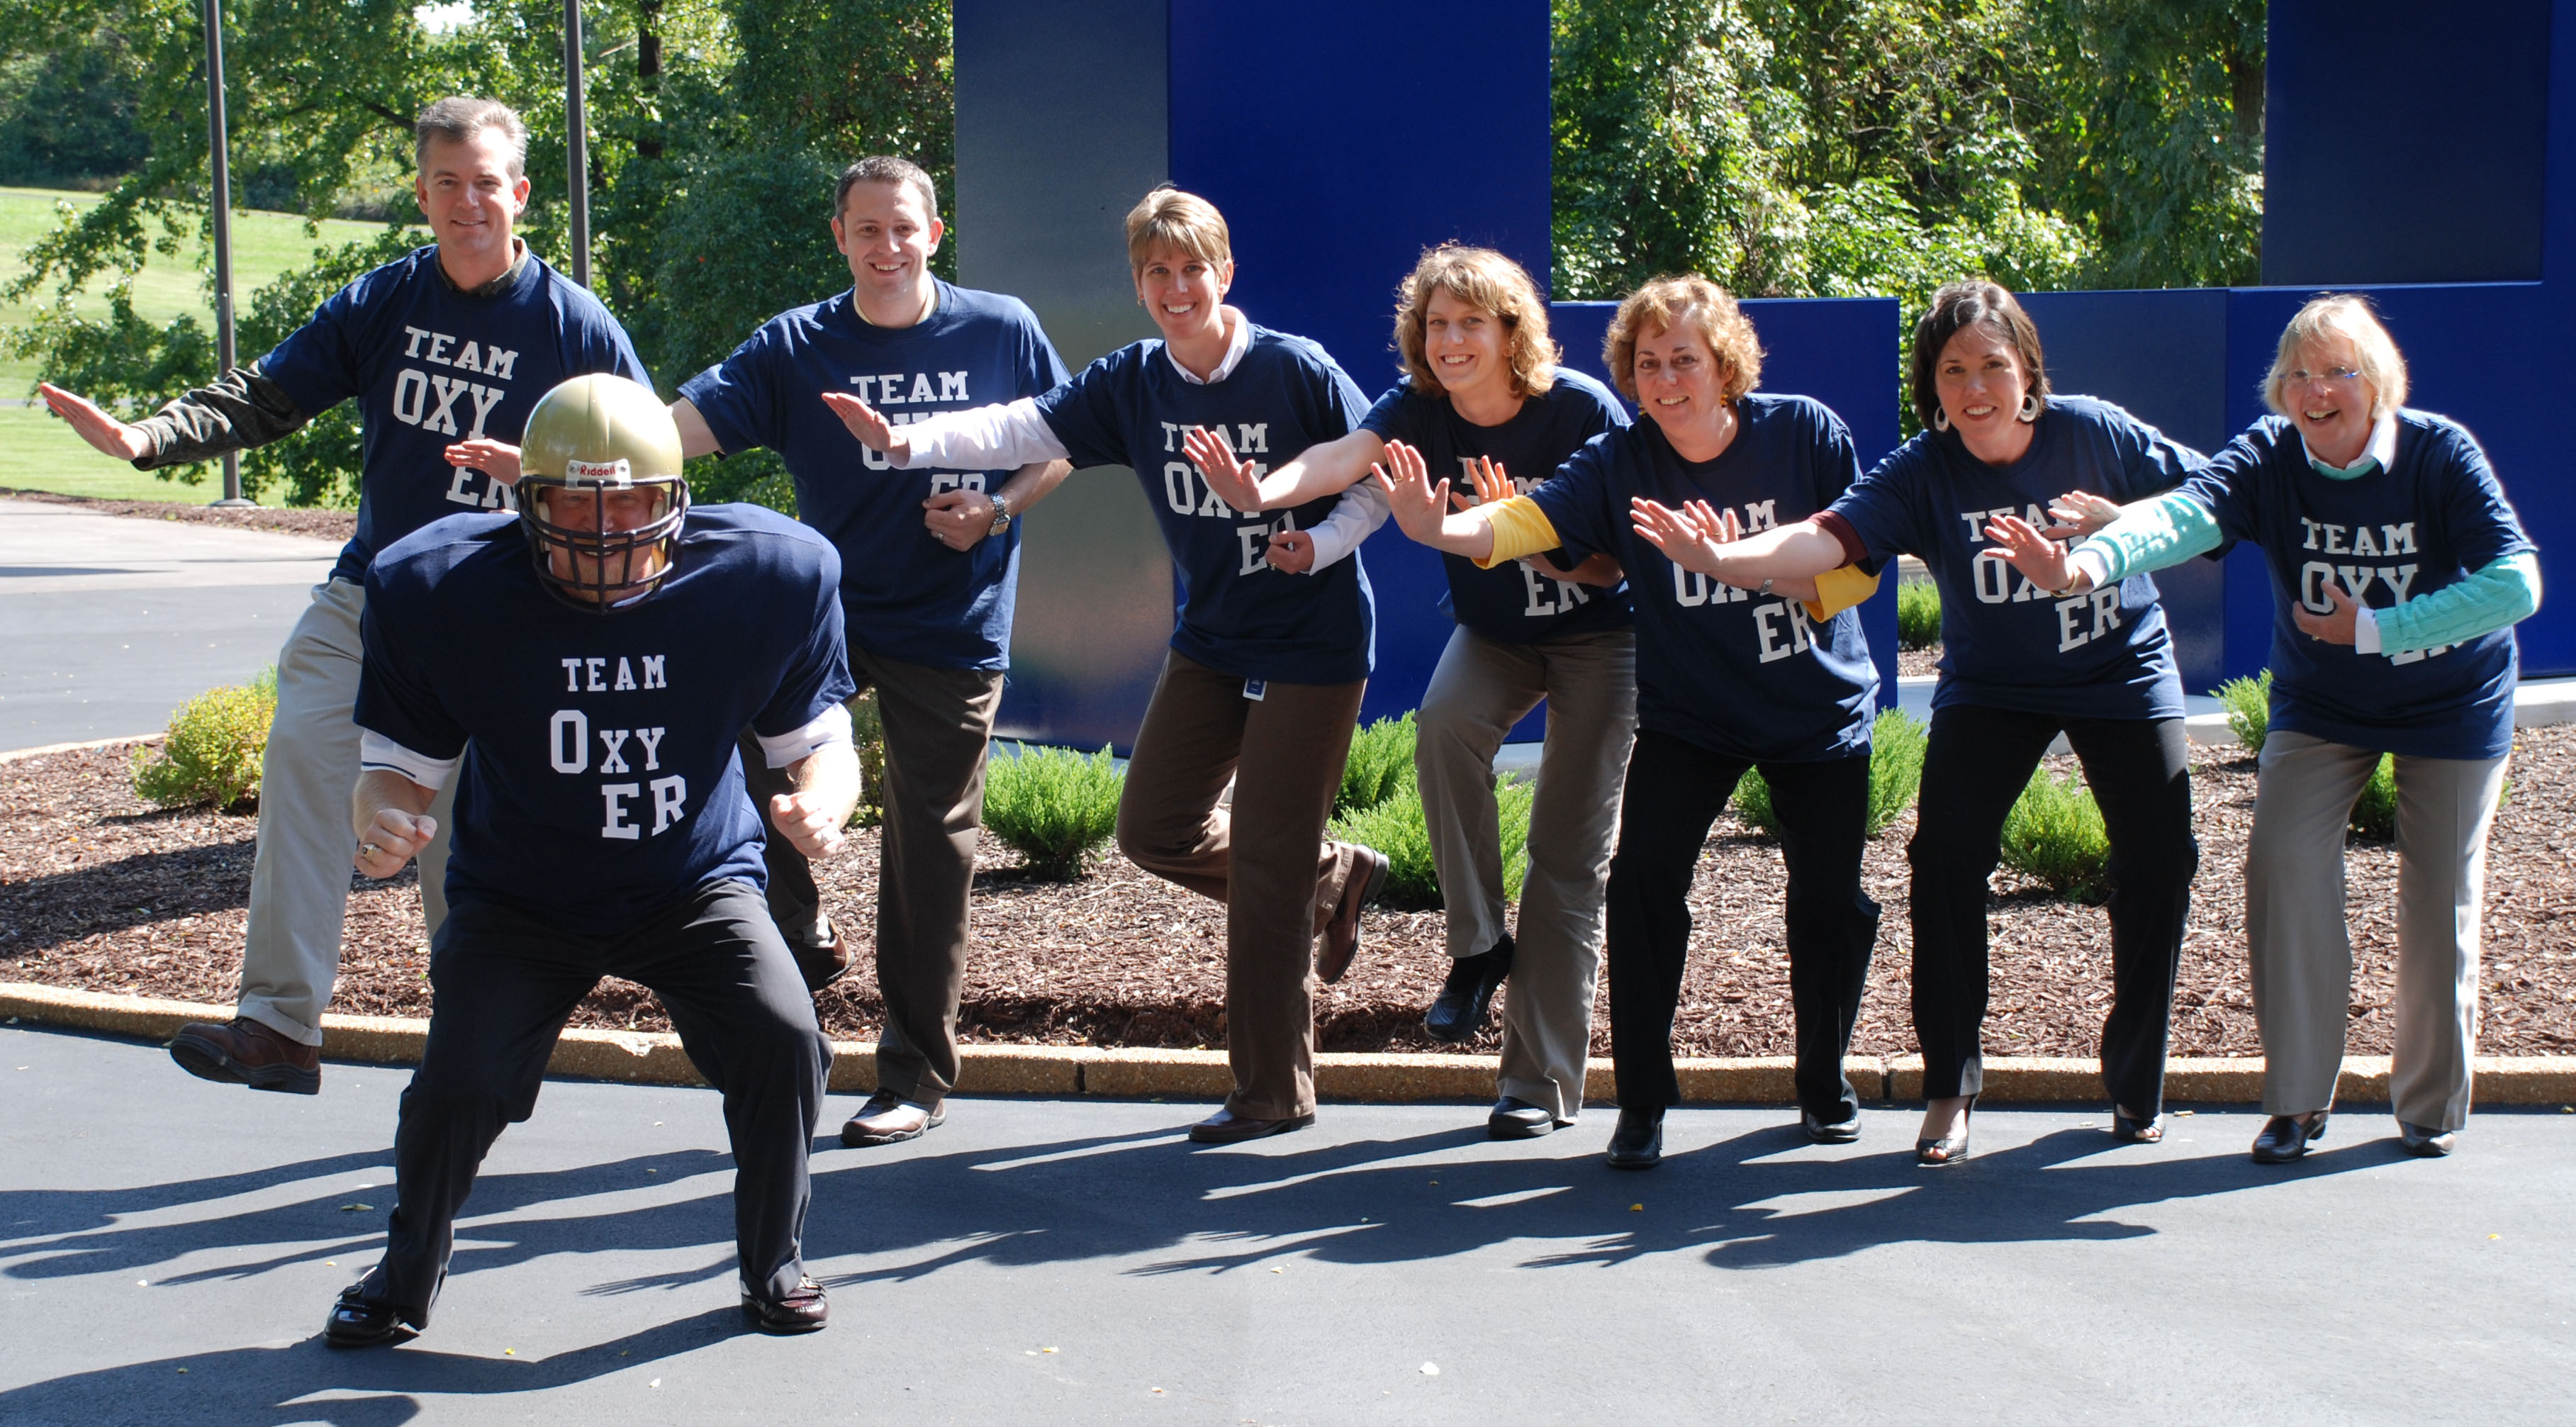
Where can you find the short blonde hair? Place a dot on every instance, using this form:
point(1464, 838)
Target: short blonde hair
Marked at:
point(1182, 222)
point(1659, 305)
point(2346, 315)
point(1483, 279)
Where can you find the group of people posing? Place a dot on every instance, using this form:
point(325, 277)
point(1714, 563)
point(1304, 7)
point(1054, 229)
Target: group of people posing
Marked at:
point(535, 641)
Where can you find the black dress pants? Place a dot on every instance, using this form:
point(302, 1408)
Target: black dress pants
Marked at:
point(504, 985)
point(1675, 791)
point(1978, 761)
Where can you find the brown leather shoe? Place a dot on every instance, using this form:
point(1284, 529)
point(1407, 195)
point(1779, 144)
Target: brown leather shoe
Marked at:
point(889, 1119)
point(248, 1053)
point(1226, 1127)
point(803, 1311)
point(1342, 932)
point(824, 963)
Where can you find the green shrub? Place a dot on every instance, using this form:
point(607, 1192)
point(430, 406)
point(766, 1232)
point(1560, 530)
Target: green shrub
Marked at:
point(867, 734)
point(1381, 761)
point(1895, 775)
point(2249, 709)
point(2374, 813)
point(211, 755)
point(2054, 835)
point(1052, 806)
point(1918, 614)
point(1398, 827)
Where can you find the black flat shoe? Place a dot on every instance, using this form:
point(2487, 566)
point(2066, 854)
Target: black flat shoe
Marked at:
point(1638, 1142)
point(360, 1322)
point(804, 1311)
point(1459, 1011)
point(2425, 1142)
point(1829, 1132)
point(1516, 1119)
point(2285, 1139)
point(2130, 1130)
point(1950, 1148)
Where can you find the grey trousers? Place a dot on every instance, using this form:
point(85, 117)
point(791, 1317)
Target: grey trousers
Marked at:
point(299, 881)
point(938, 733)
point(2302, 949)
point(1481, 688)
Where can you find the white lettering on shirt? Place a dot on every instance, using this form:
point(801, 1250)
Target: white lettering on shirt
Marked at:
point(615, 825)
point(668, 794)
point(569, 755)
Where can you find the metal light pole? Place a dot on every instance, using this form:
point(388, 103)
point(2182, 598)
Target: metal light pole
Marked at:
point(216, 148)
point(576, 143)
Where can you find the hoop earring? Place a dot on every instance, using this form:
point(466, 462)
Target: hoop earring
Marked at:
point(2029, 408)
point(1940, 419)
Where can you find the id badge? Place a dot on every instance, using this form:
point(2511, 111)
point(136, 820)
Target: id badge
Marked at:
point(1254, 689)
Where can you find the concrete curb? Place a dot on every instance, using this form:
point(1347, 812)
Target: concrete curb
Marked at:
point(655, 1058)
point(15, 754)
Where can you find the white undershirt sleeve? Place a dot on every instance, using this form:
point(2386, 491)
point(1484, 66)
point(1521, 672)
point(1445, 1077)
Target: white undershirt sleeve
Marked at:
point(1356, 517)
point(2365, 630)
point(983, 438)
point(830, 727)
point(379, 754)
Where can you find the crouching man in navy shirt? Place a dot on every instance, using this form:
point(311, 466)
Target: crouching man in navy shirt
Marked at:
point(593, 695)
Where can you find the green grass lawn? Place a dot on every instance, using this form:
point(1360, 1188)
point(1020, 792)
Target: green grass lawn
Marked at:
point(264, 245)
point(40, 453)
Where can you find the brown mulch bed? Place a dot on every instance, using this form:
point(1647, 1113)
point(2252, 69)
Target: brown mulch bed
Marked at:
point(320, 524)
point(1918, 663)
point(100, 891)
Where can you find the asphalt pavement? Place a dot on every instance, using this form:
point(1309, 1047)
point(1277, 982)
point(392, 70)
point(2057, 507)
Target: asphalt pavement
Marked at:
point(108, 623)
point(168, 1248)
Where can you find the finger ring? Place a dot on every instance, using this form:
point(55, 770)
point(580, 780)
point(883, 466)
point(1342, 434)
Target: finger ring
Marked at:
point(369, 848)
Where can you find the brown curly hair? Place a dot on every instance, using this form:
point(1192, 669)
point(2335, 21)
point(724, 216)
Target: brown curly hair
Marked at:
point(1480, 278)
point(1660, 304)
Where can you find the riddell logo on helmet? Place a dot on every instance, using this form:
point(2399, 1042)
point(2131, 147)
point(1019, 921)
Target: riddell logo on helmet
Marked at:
point(612, 473)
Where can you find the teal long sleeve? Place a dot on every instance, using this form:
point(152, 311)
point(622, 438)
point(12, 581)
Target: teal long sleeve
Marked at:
point(2502, 594)
point(2154, 533)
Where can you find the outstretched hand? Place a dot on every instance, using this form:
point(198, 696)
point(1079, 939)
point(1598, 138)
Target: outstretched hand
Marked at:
point(1226, 474)
point(1417, 501)
point(2079, 514)
point(1689, 536)
point(1490, 483)
point(391, 839)
point(497, 459)
point(2029, 549)
point(869, 425)
point(2338, 625)
point(102, 431)
point(805, 820)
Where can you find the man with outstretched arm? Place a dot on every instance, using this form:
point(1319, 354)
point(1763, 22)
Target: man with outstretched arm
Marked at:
point(454, 341)
point(584, 668)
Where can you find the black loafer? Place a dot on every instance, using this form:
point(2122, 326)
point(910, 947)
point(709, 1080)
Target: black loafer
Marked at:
point(1228, 1128)
point(1459, 1011)
point(804, 1311)
point(357, 1321)
point(1638, 1142)
point(1516, 1119)
point(2425, 1142)
point(2285, 1139)
point(1829, 1132)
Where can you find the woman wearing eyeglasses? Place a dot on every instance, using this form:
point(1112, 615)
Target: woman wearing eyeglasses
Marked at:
point(2398, 572)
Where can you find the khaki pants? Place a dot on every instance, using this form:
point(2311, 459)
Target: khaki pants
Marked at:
point(938, 730)
point(1266, 859)
point(1482, 687)
point(299, 881)
point(2302, 950)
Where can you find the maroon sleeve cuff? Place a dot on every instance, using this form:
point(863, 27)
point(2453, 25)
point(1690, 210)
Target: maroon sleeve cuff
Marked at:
point(1854, 552)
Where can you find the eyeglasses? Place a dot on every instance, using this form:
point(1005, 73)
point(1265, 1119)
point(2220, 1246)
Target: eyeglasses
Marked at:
point(2330, 374)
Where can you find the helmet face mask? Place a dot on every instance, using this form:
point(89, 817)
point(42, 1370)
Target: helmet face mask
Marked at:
point(601, 498)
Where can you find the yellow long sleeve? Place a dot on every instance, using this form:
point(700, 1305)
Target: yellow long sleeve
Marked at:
point(1838, 590)
point(1520, 528)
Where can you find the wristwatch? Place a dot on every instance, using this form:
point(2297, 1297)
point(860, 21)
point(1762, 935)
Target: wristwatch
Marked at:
point(1765, 591)
point(1001, 517)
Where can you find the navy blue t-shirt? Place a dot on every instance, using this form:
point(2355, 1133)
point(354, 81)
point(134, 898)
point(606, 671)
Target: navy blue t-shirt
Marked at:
point(2433, 518)
point(430, 365)
point(1512, 601)
point(906, 596)
point(1238, 615)
point(1719, 667)
point(2005, 643)
point(600, 783)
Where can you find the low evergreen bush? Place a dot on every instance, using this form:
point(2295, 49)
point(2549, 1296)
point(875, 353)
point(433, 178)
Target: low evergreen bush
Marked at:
point(1918, 614)
point(1896, 745)
point(2054, 835)
point(867, 734)
point(1380, 762)
point(1398, 827)
point(212, 753)
point(1052, 806)
point(2374, 813)
point(2249, 709)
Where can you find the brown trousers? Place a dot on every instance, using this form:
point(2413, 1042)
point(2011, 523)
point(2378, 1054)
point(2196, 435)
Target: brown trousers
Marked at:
point(1266, 858)
point(938, 728)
